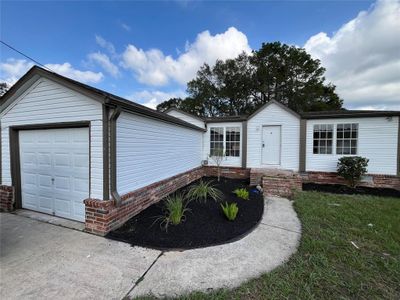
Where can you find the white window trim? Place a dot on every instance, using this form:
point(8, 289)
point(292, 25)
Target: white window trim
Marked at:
point(224, 140)
point(334, 137)
point(358, 136)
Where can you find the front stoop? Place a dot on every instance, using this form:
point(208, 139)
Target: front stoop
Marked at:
point(281, 183)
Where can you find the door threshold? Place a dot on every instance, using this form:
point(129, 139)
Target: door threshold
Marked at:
point(38, 216)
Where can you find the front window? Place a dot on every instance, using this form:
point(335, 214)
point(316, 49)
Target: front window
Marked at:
point(346, 138)
point(232, 144)
point(216, 140)
point(323, 138)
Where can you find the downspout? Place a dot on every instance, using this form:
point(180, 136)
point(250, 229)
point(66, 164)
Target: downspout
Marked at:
point(113, 155)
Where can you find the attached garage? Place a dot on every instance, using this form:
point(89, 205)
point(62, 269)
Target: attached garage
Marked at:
point(70, 150)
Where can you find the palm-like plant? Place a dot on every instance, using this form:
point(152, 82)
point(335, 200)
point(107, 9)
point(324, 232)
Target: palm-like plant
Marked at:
point(203, 190)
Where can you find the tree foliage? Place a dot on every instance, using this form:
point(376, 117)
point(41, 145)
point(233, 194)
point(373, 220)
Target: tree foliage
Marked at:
point(240, 86)
point(4, 87)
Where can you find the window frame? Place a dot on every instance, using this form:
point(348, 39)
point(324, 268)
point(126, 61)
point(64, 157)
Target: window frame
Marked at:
point(224, 139)
point(349, 139)
point(326, 139)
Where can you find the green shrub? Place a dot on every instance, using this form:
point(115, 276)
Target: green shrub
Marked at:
point(230, 210)
point(352, 168)
point(174, 210)
point(242, 193)
point(202, 190)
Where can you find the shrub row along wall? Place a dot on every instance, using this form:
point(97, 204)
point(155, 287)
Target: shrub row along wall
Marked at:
point(6, 198)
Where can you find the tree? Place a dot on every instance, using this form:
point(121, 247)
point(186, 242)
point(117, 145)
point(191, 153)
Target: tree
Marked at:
point(4, 87)
point(291, 76)
point(240, 86)
point(218, 155)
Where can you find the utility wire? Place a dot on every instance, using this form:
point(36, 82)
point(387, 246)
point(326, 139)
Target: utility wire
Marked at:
point(28, 57)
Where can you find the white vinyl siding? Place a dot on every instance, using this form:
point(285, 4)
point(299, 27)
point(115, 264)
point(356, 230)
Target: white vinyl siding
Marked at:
point(273, 115)
point(186, 118)
point(228, 161)
point(49, 102)
point(377, 141)
point(149, 150)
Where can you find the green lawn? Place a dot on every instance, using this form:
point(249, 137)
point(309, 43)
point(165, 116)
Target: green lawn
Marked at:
point(327, 265)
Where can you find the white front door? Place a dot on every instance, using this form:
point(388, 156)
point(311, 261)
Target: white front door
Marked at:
point(55, 171)
point(271, 145)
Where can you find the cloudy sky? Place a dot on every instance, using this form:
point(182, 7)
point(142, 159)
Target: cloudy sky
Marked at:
point(147, 51)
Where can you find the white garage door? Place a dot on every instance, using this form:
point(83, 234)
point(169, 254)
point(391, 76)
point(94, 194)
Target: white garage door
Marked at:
point(55, 171)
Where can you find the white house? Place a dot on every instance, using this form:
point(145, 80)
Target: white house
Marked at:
point(73, 151)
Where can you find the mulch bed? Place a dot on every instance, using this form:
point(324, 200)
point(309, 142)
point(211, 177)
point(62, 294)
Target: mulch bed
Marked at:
point(205, 225)
point(343, 189)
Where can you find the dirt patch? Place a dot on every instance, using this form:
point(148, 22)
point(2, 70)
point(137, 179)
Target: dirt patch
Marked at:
point(205, 225)
point(343, 189)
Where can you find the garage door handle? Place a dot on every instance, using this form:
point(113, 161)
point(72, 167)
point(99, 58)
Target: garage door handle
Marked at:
point(52, 180)
point(263, 145)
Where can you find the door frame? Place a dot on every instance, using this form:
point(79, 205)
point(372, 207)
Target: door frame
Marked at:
point(15, 160)
point(280, 144)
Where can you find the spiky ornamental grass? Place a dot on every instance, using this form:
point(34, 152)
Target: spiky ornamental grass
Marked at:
point(242, 193)
point(175, 208)
point(202, 190)
point(230, 210)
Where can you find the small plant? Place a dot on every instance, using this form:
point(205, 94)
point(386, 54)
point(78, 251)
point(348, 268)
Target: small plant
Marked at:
point(218, 156)
point(202, 190)
point(174, 210)
point(242, 193)
point(352, 168)
point(230, 210)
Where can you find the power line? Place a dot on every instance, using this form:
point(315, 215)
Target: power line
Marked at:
point(28, 57)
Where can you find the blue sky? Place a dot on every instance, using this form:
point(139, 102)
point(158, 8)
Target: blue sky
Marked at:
point(146, 51)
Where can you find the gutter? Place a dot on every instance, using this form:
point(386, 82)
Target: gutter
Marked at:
point(113, 155)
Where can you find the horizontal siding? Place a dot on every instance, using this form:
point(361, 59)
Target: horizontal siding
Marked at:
point(377, 141)
point(290, 137)
point(228, 161)
point(49, 102)
point(186, 118)
point(149, 150)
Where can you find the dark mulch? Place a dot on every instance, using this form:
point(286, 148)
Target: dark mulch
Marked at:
point(205, 224)
point(344, 189)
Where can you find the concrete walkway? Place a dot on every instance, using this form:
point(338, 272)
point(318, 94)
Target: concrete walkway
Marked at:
point(43, 261)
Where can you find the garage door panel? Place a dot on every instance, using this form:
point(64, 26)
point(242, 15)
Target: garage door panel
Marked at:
point(46, 204)
point(55, 171)
point(62, 183)
point(80, 185)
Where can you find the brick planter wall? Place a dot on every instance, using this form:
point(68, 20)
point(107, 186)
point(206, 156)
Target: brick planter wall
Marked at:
point(104, 216)
point(371, 180)
point(281, 184)
point(228, 172)
point(6, 198)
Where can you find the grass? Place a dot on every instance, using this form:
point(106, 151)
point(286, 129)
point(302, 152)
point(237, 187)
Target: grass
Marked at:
point(327, 265)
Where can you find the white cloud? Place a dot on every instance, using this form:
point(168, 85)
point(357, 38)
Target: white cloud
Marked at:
point(363, 57)
point(13, 69)
point(105, 44)
point(153, 67)
point(67, 70)
point(104, 61)
point(153, 98)
point(126, 27)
